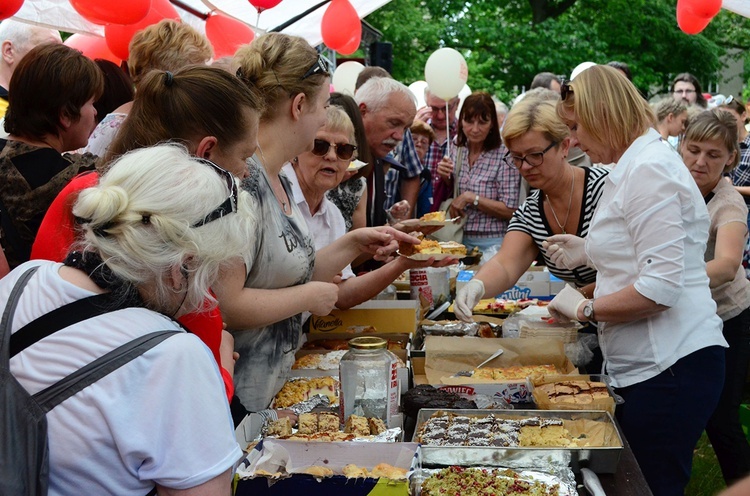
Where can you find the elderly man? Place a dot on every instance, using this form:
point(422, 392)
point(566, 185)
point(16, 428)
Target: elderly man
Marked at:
point(16, 39)
point(388, 109)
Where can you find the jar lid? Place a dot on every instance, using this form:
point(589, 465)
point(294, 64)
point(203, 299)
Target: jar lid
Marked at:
point(368, 343)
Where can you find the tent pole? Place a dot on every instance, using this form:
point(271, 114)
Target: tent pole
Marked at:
point(294, 19)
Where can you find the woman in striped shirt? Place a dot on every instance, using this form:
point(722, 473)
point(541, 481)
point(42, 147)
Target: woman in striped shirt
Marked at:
point(564, 201)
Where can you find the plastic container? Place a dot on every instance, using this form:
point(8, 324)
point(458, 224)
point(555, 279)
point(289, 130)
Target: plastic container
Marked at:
point(368, 374)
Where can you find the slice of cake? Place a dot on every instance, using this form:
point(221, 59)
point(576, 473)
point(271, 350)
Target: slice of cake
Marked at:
point(438, 216)
point(377, 426)
point(453, 248)
point(357, 425)
point(280, 428)
point(328, 422)
point(307, 423)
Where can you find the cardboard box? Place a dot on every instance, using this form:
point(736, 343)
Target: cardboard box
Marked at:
point(444, 356)
point(516, 393)
point(399, 316)
point(294, 457)
point(543, 402)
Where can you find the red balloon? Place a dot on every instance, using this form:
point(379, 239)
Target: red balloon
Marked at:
point(262, 5)
point(690, 23)
point(706, 9)
point(351, 46)
point(339, 24)
point(8, 8)
point(118, 36)
point(94, 47)
point(227, 34)
point(109, 11)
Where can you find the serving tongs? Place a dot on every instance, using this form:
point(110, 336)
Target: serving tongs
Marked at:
point(470, 373)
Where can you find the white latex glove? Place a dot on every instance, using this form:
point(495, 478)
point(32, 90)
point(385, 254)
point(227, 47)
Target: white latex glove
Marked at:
point(567, 251)
point(467, 298)
point(564, 307)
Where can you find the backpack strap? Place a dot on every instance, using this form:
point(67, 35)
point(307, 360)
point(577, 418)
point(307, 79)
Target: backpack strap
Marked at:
point(9, 312)
point(68, 386)
point(60, 318)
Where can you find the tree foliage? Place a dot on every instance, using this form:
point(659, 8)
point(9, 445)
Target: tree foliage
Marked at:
point(506, 43)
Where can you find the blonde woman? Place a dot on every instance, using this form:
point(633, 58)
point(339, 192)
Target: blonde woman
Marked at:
point(671, 117)
point(282, 275)
point(658, 329)
point(156, 228)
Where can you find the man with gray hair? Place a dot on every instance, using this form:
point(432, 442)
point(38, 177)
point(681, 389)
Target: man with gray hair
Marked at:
point(388, 108)
point(16, 40)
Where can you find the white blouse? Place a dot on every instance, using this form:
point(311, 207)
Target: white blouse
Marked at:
point(650, 230)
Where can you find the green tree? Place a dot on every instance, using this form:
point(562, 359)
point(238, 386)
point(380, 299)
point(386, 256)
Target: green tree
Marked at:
point(506, 43)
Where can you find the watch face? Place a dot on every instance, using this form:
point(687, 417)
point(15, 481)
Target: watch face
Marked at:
point(588, 310)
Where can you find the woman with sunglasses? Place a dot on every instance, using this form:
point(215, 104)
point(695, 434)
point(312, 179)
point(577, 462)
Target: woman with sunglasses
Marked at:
point(709, 150)
point(283, 276)
point(164, 109)
point(563, 201)
point(658, 329)
point(487, 190)
point(312, 175)
point(151, 246)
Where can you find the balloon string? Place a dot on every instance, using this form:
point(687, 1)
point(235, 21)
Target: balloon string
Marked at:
point(447, 130)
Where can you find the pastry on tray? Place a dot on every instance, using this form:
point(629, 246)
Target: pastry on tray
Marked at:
point(514, 372)
point(300, 389)
point(574, 392)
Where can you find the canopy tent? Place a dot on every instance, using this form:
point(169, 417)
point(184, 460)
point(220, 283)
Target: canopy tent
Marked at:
point(297, 17)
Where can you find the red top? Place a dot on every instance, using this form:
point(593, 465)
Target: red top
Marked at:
point(57, 233)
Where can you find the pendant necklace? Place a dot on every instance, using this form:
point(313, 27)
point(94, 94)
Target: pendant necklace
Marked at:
point(570, 204)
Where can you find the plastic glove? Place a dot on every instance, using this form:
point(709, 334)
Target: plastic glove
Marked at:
point(567, 251)
point(564, 307)
point(467, 298)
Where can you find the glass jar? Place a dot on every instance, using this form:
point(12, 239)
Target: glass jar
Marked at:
point(369, 380)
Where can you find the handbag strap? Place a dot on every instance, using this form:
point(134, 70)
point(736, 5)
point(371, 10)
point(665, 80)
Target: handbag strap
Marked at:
point(80, 379)
point(10, 310)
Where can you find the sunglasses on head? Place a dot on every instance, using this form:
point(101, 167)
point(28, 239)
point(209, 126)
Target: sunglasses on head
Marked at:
point(230, 204)
point(319, 67)
point(344, 151)
point(565, 90)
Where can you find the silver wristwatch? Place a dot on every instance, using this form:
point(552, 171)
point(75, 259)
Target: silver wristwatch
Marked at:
point(588, 311)
point(476, 200)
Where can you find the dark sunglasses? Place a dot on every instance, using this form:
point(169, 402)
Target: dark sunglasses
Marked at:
point(344, 151)
point(230, 204)
point(533, 159)
point(565, 90)
point(319, 67)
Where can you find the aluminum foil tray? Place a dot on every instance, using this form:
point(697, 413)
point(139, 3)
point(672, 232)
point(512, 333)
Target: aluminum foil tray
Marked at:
point(599, 459)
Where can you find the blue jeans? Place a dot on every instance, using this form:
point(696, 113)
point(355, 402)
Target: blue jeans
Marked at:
point(663, 417)
point(724, 429)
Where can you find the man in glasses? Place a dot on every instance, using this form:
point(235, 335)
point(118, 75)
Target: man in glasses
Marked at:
point(686, 88)
point(441, 122)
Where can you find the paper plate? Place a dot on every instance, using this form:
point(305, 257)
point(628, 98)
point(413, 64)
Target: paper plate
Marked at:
point(355, 165)
point(417, 223)
point(436, 256)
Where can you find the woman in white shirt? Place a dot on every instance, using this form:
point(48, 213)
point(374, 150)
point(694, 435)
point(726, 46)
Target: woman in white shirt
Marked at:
point(658, 329)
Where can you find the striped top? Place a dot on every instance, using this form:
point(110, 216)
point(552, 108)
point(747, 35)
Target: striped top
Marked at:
point(530, 219)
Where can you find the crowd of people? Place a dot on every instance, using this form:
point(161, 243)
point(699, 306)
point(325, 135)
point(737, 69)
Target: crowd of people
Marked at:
point(179, 195)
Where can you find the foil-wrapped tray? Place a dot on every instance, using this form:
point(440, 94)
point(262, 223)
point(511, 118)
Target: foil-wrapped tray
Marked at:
point(601, 459)
point(560, 483)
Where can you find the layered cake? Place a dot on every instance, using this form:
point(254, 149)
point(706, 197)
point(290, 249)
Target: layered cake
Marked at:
point(460, 430)
point(425, 396)
point(574, 392)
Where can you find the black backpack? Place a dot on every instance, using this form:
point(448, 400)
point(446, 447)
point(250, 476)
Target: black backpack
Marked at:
point(24, 456)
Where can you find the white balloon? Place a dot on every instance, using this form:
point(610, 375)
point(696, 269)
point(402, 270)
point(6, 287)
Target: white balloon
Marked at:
point(446, 73)
point(345, 77)
point(417, 89)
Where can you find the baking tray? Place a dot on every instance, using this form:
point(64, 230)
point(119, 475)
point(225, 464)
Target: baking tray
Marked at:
point(598, 459)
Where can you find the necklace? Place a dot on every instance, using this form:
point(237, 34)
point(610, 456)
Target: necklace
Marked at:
point(275, 193)
point(570, 204)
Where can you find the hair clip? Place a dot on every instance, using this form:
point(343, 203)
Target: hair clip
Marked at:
point(146, 219)
point(168, 79)
point(239, 72)
point(101, 231)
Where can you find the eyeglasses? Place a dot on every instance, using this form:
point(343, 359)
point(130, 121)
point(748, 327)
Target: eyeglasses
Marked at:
point(533, 159)
point(344, 151)
point(683, 92)
point(565, 90)
point(319, 67)
point(230, 204)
